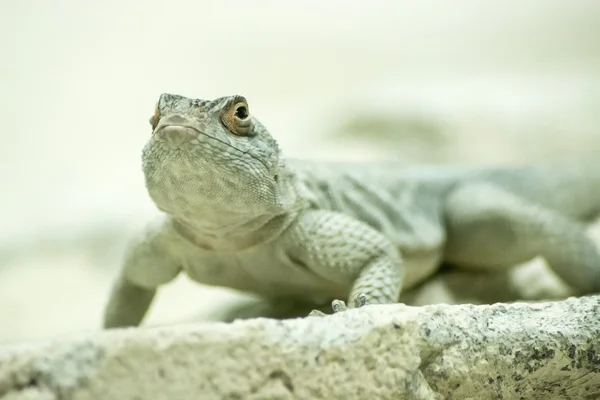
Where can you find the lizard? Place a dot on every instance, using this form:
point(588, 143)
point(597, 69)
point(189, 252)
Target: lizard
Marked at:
point(236, 213)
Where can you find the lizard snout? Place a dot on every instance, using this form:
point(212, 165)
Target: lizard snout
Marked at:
point(176, 135)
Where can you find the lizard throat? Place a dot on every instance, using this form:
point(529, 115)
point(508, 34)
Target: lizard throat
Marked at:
point(240, 236)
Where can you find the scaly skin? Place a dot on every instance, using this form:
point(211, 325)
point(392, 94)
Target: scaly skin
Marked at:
point(237, 215)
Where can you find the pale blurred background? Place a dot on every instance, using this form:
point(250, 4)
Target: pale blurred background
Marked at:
point(499, 81)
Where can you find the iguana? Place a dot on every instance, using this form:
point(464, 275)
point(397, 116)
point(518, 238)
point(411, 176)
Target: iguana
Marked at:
point(237, 214)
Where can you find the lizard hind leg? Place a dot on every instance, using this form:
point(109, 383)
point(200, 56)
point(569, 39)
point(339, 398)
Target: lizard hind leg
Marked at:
point(491, 228)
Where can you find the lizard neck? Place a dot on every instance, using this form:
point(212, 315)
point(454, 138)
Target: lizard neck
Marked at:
point(221, 228)
point(236, 234)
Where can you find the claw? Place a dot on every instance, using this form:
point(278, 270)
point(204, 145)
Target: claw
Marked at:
point(360, 300)
point(338, 306)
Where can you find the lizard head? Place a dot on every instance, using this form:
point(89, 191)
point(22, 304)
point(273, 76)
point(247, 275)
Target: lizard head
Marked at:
point(206, 156)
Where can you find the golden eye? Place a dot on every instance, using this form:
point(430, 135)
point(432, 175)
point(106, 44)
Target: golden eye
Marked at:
point(237, 119)
point(155, 118)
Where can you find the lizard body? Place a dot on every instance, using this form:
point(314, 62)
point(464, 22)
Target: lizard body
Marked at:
point(238, 215)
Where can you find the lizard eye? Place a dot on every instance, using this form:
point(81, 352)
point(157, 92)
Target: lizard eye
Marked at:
point(155, 118)
point(241, 111)
point(237, 119)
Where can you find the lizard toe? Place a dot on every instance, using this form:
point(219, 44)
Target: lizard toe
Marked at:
point(317, 313)
point(360, 300)
point(339, 306)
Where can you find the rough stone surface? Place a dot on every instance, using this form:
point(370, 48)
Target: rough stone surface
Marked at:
point(501, 351)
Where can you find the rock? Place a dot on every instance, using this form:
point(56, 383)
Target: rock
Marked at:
point(502, 351)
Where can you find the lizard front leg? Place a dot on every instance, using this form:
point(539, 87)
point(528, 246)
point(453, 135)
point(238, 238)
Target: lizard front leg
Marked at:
point(147, 264)
point(127, 303)
point(346, 251)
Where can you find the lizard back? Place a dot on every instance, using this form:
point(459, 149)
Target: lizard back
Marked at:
point(403, 202)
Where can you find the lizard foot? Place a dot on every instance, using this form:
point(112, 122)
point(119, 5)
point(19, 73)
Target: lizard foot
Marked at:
point(339, 305)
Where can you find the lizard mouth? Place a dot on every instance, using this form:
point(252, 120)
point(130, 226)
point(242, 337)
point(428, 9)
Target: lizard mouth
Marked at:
point(185, 132)
point(177, 135)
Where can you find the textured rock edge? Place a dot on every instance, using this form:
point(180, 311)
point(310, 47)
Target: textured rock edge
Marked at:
point(500, 351)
